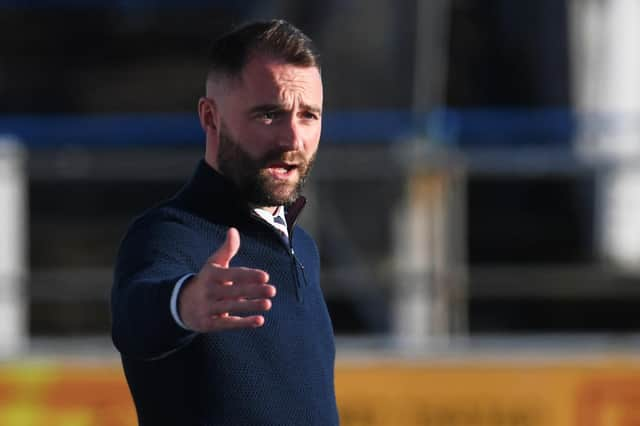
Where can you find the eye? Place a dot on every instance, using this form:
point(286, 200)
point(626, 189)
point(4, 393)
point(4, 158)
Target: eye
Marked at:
point(267, 116)
point(308, 115)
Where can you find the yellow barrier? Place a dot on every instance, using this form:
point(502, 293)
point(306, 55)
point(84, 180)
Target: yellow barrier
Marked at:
point(64, 395)
point(384, 393)
point(491, 394)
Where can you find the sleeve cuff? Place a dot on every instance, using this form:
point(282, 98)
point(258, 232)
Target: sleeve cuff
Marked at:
point(174, 300)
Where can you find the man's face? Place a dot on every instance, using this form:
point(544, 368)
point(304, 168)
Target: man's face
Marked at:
point(255, 177)
point(269, 130)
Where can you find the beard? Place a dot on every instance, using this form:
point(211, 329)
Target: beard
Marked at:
point(252, 176)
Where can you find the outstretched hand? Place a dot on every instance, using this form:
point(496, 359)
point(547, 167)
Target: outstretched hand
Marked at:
point(209, 300)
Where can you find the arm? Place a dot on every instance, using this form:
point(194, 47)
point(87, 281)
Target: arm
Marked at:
point(143, 324)
point(147, 269)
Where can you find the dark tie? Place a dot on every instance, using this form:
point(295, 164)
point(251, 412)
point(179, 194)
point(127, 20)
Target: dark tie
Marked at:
point(281, 227)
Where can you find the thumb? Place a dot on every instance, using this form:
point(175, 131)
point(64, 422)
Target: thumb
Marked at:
point(225, 253)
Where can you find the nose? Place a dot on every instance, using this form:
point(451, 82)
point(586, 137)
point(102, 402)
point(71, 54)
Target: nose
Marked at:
point(291, 136)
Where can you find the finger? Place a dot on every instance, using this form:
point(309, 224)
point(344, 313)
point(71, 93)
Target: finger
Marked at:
point(237, 275)
point(235, 291)
point(229, 248)
point(236, 306)
point(233, 322)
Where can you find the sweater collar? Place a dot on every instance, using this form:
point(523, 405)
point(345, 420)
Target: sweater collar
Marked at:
point(207, 189)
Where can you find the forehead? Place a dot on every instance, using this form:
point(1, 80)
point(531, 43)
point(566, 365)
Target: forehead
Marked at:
point(269, 79)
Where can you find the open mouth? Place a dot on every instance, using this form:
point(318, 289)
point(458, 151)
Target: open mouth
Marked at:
point(282, 170)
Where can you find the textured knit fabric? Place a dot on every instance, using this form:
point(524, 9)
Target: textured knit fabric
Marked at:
point(278, 374)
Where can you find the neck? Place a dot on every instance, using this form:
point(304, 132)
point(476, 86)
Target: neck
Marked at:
point(210, 160)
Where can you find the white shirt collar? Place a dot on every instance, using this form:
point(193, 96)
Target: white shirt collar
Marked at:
point(269, 218)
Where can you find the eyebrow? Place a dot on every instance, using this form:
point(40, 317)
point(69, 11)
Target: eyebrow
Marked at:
point(279, 107)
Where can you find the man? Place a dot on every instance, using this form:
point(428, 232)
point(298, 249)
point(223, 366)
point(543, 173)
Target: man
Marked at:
point(217, 310)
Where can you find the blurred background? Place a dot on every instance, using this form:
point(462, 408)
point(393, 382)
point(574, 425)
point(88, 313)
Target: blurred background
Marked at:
point(476, 198)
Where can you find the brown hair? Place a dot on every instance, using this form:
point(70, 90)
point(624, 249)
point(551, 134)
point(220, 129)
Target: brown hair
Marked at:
point(277, 38)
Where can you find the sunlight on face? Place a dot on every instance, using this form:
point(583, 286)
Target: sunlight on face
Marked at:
point(269, 130)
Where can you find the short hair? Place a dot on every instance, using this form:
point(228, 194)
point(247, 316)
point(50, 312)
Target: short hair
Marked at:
point(277, 38)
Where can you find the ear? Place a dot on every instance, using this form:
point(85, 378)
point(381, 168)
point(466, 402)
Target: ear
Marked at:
point(208, 114)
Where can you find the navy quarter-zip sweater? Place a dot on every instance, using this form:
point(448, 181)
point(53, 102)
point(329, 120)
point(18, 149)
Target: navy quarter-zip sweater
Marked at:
point(277, 374)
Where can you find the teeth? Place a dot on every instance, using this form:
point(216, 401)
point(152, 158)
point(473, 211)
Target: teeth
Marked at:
point(286, 169)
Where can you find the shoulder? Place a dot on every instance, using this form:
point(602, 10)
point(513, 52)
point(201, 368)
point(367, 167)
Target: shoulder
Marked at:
point(160, 222)
point(165, 229)
point(160, 237)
